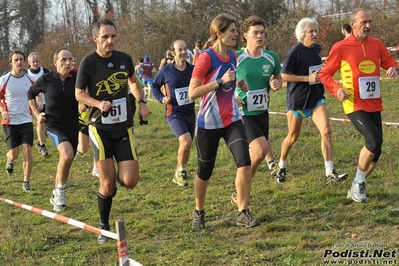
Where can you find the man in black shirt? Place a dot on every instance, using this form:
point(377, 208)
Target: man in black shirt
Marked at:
point(61, 118)
point(108, 75)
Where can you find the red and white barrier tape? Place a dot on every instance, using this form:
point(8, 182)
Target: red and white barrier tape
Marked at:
point(122, 245)
point(340, 119)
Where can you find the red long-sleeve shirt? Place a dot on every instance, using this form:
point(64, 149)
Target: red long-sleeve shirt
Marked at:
point(359, 65)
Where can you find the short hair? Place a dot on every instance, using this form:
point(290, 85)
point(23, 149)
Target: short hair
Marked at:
point(172, 46)
point(169, 52)
point(102, 22)
point(347, 27)
point(220, 23)
point(57, 52)
point(300, 29)
point(141, 60)
point(32, 54)
point(251, 21)
point(357, 10)
point(198, 43)
point(16, 51)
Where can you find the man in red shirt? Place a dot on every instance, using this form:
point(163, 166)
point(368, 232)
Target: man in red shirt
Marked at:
point(359, 58)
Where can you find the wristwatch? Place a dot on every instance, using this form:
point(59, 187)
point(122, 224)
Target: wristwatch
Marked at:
point(219, 82)
point(143, 100)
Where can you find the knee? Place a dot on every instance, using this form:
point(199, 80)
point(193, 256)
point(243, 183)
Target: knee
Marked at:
point(67, 157)
point(186, 144)
point(131, 183)
point(374, 145)
point(326, 133)
point(27, 150)
point(258, 154)
point(293, 137)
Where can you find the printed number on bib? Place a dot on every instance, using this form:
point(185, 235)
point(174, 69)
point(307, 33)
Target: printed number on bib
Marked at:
point(182, 96)
point(116, 114)
point(369, 87)
point(257, 100)
point(313, 69)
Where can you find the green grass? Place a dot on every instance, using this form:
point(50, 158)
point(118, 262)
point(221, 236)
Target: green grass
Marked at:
point(300, 219)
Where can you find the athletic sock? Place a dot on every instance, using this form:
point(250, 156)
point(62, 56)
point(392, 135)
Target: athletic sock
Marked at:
point(270, 164)
point(282, 164)
point(360, 176)
point(329, 166)
point(104, 207)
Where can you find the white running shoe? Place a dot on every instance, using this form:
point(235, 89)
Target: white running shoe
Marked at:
point(357, 192)
point(94, 172)
point(58, 199)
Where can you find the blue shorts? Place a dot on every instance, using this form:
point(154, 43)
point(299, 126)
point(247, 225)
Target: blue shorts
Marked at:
point(307, 112)
point(147, 81)
point(58, 136)
point(181, 124)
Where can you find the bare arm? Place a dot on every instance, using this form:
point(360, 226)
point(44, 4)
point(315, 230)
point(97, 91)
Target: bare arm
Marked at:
point(196, 89)
point(137, 91)
point(82, 96)
point(296, 78)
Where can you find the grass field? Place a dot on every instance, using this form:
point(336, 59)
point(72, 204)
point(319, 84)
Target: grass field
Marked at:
point(301, 218)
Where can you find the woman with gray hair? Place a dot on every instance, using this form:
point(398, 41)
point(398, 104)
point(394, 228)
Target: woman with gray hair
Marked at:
point(305, 97)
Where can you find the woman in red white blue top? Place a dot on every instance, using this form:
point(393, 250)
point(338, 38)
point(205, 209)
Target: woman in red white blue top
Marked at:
point(214, 81)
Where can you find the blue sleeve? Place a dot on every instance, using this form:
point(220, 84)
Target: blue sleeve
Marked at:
point(290, 62)
point(156, 85)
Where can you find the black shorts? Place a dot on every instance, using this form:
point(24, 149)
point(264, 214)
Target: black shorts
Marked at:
point(58, 136)
point(207, 141)
point(84, 129)
point(256, 126)
point(370, 126)
point(107, 144)
point(15, 135)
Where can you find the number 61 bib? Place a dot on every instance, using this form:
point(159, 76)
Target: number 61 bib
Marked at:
point(116, 114)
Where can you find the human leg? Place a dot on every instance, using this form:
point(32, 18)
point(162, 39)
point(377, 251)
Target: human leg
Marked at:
point(294, 129)
point(320, 118)
point(207, 144)
point(13, 141)
point(257, 131)
point(66, 145)
point(183, 129)
point(258, 151)
point(11, 155)
point(27, 165)
point(370, 126)
point(183, 155)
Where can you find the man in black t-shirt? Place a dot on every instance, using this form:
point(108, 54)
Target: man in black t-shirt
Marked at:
point(108, 75)
point(60, 117)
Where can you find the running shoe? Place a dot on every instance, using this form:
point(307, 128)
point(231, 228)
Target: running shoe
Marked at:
point(26, 186)
point(94, 172)
point(9, 166)
point(233, 198)
point(43, 150)
point(273, 169)
point(334, 177)
point(198, 219)
point(102, 238)
point(357, 192)
point(181, 178)
point(58, 199)
point(244, 218)
point(281, 175)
